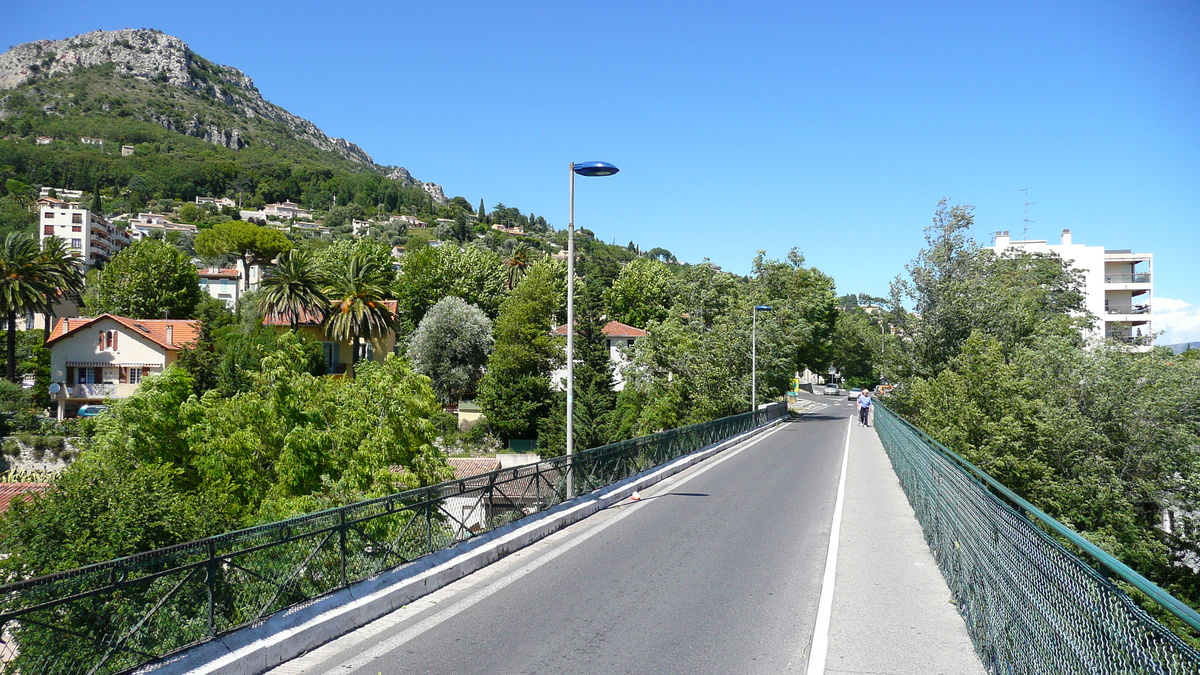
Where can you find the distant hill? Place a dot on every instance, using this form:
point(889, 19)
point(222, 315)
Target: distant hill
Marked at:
point(109, 84)
point(1183, 347)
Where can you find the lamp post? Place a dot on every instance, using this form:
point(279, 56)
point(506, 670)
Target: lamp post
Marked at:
point(754, 357)
point(583, 169)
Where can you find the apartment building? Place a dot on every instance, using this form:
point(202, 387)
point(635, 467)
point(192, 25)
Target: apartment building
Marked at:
point(1118, 285)
point(88, 234)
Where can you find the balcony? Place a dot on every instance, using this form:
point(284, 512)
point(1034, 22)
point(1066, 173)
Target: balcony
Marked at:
point(1128, 309)
point(106, 390)
point(1137, 278)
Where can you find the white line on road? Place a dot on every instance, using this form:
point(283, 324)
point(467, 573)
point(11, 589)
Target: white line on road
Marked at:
point(391, 644)
point(820, 641)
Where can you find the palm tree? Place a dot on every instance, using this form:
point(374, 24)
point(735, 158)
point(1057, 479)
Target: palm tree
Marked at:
point(356, 294)
point(65, 271)
point(517, 264)
point(294, 289)
point(26, 282)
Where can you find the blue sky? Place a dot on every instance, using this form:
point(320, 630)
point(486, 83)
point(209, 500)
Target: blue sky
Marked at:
point(831, 127)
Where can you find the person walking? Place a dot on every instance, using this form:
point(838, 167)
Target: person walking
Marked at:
point(864, 408)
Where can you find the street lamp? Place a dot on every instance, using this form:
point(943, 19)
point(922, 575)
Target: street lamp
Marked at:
point(583, 169)
point(754, 357)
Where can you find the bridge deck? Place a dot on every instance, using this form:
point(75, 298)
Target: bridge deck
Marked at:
point(717, 570)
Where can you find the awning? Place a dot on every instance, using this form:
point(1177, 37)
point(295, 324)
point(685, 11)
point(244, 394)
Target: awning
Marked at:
point(109, 364)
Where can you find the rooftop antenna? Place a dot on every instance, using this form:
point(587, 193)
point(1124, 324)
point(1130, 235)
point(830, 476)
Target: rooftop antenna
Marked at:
point(1025, 231)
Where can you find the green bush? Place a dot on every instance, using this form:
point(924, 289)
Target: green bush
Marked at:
point(11, 447)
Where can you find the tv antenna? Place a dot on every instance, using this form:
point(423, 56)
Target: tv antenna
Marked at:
point(1025, 231)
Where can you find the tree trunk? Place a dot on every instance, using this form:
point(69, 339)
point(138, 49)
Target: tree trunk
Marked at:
point(12, 346)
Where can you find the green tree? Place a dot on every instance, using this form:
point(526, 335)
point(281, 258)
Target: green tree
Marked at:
point(251, 243)
point(148, 280)
point(26, 282)
point(293, 288)
point(65, 272)
point(516, 264)
point(514, 392)
point(643, 292)
point(358, 309)
point(430, 274)
point(451, 346)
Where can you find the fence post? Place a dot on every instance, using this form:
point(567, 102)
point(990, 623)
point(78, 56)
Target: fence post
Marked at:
point(342, 542)
point(210, 580)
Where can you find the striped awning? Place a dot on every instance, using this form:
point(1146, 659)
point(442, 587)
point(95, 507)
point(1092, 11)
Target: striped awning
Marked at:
point(109, 364)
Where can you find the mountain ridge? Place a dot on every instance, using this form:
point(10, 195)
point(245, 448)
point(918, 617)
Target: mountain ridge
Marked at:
point(152, 56)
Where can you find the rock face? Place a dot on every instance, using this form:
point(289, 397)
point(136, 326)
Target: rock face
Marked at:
point(155, 56)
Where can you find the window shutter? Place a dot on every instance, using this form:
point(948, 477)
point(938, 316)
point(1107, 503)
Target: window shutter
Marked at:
point(122, 378)
point(70, 374)
point(100, 343)
point(116, 334)
point(99, 375)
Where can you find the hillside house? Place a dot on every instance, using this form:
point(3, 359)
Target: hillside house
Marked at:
point(218, 202)
point(621, 338)
point(88, 140)
point(108, 356)
point(287, 209)
point(127, 150)
point(222, 283)
point(494, 488)
point(338, 353)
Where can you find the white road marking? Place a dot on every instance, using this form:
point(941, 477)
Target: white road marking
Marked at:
point(304, 663)
point(820, 642)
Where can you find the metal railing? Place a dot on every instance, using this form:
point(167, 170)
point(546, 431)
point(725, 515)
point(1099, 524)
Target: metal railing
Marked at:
point(1030, 604)
point(1128, 309)
point(114, 616)
point(1135, 278)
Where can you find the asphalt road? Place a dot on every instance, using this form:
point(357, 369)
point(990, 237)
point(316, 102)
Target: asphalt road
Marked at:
point(715, 570)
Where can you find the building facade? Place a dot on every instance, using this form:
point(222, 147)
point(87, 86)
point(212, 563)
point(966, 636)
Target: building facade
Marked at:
point(89, 236)
point(1118, 285)
point(108, 357)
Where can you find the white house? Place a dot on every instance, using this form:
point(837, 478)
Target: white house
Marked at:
point(215, 201)
point(107, 357)
point(1117, 284)
point(224, 284)
point(495, 489)
point(621, 338)
point(287, 209)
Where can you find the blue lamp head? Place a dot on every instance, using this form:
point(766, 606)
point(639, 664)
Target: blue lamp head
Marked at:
point(594, 169)
point(764, 308)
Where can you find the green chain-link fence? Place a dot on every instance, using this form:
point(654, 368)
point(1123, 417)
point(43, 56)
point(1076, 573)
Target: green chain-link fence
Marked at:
point(115, 616)
point(1031, 604)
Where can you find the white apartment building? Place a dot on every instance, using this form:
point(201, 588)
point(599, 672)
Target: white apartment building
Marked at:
point(88, 234)
point(1118, 285)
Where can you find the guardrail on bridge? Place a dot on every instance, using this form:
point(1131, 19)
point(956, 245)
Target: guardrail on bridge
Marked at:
point(1029, 603)
point(114, 616)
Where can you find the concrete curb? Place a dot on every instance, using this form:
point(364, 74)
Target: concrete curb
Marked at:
point(292, 632)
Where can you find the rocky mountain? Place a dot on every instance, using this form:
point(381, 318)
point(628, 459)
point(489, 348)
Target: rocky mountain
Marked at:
point(217, 103)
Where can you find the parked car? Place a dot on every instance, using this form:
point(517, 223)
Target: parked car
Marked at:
point(91, 410)
point(853, 394)
point(831, 389)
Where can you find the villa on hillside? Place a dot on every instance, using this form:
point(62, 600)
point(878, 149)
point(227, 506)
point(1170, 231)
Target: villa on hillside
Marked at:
point(108, 356)
point(620, 338)
point(338, 353)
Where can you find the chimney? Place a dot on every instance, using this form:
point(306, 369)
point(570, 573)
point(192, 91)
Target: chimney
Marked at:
point(170, 334)
point(1002, 240)
point(66, 325)
point(1066, 237)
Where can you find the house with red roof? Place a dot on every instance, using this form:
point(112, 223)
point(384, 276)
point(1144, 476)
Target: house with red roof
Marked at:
point(621, 338)
point(108, 356)
point(338, 353)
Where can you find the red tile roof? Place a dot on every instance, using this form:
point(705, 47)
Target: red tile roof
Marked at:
point(224, 273)
point(183, 332)
point(309, 319)
point(25, 491)
point(612, 329)
point(465, 467)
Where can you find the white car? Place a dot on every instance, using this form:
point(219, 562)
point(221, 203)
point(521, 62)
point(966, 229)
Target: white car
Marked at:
point(831, 389)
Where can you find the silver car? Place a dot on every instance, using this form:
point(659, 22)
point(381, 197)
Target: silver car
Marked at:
point(831, 389)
